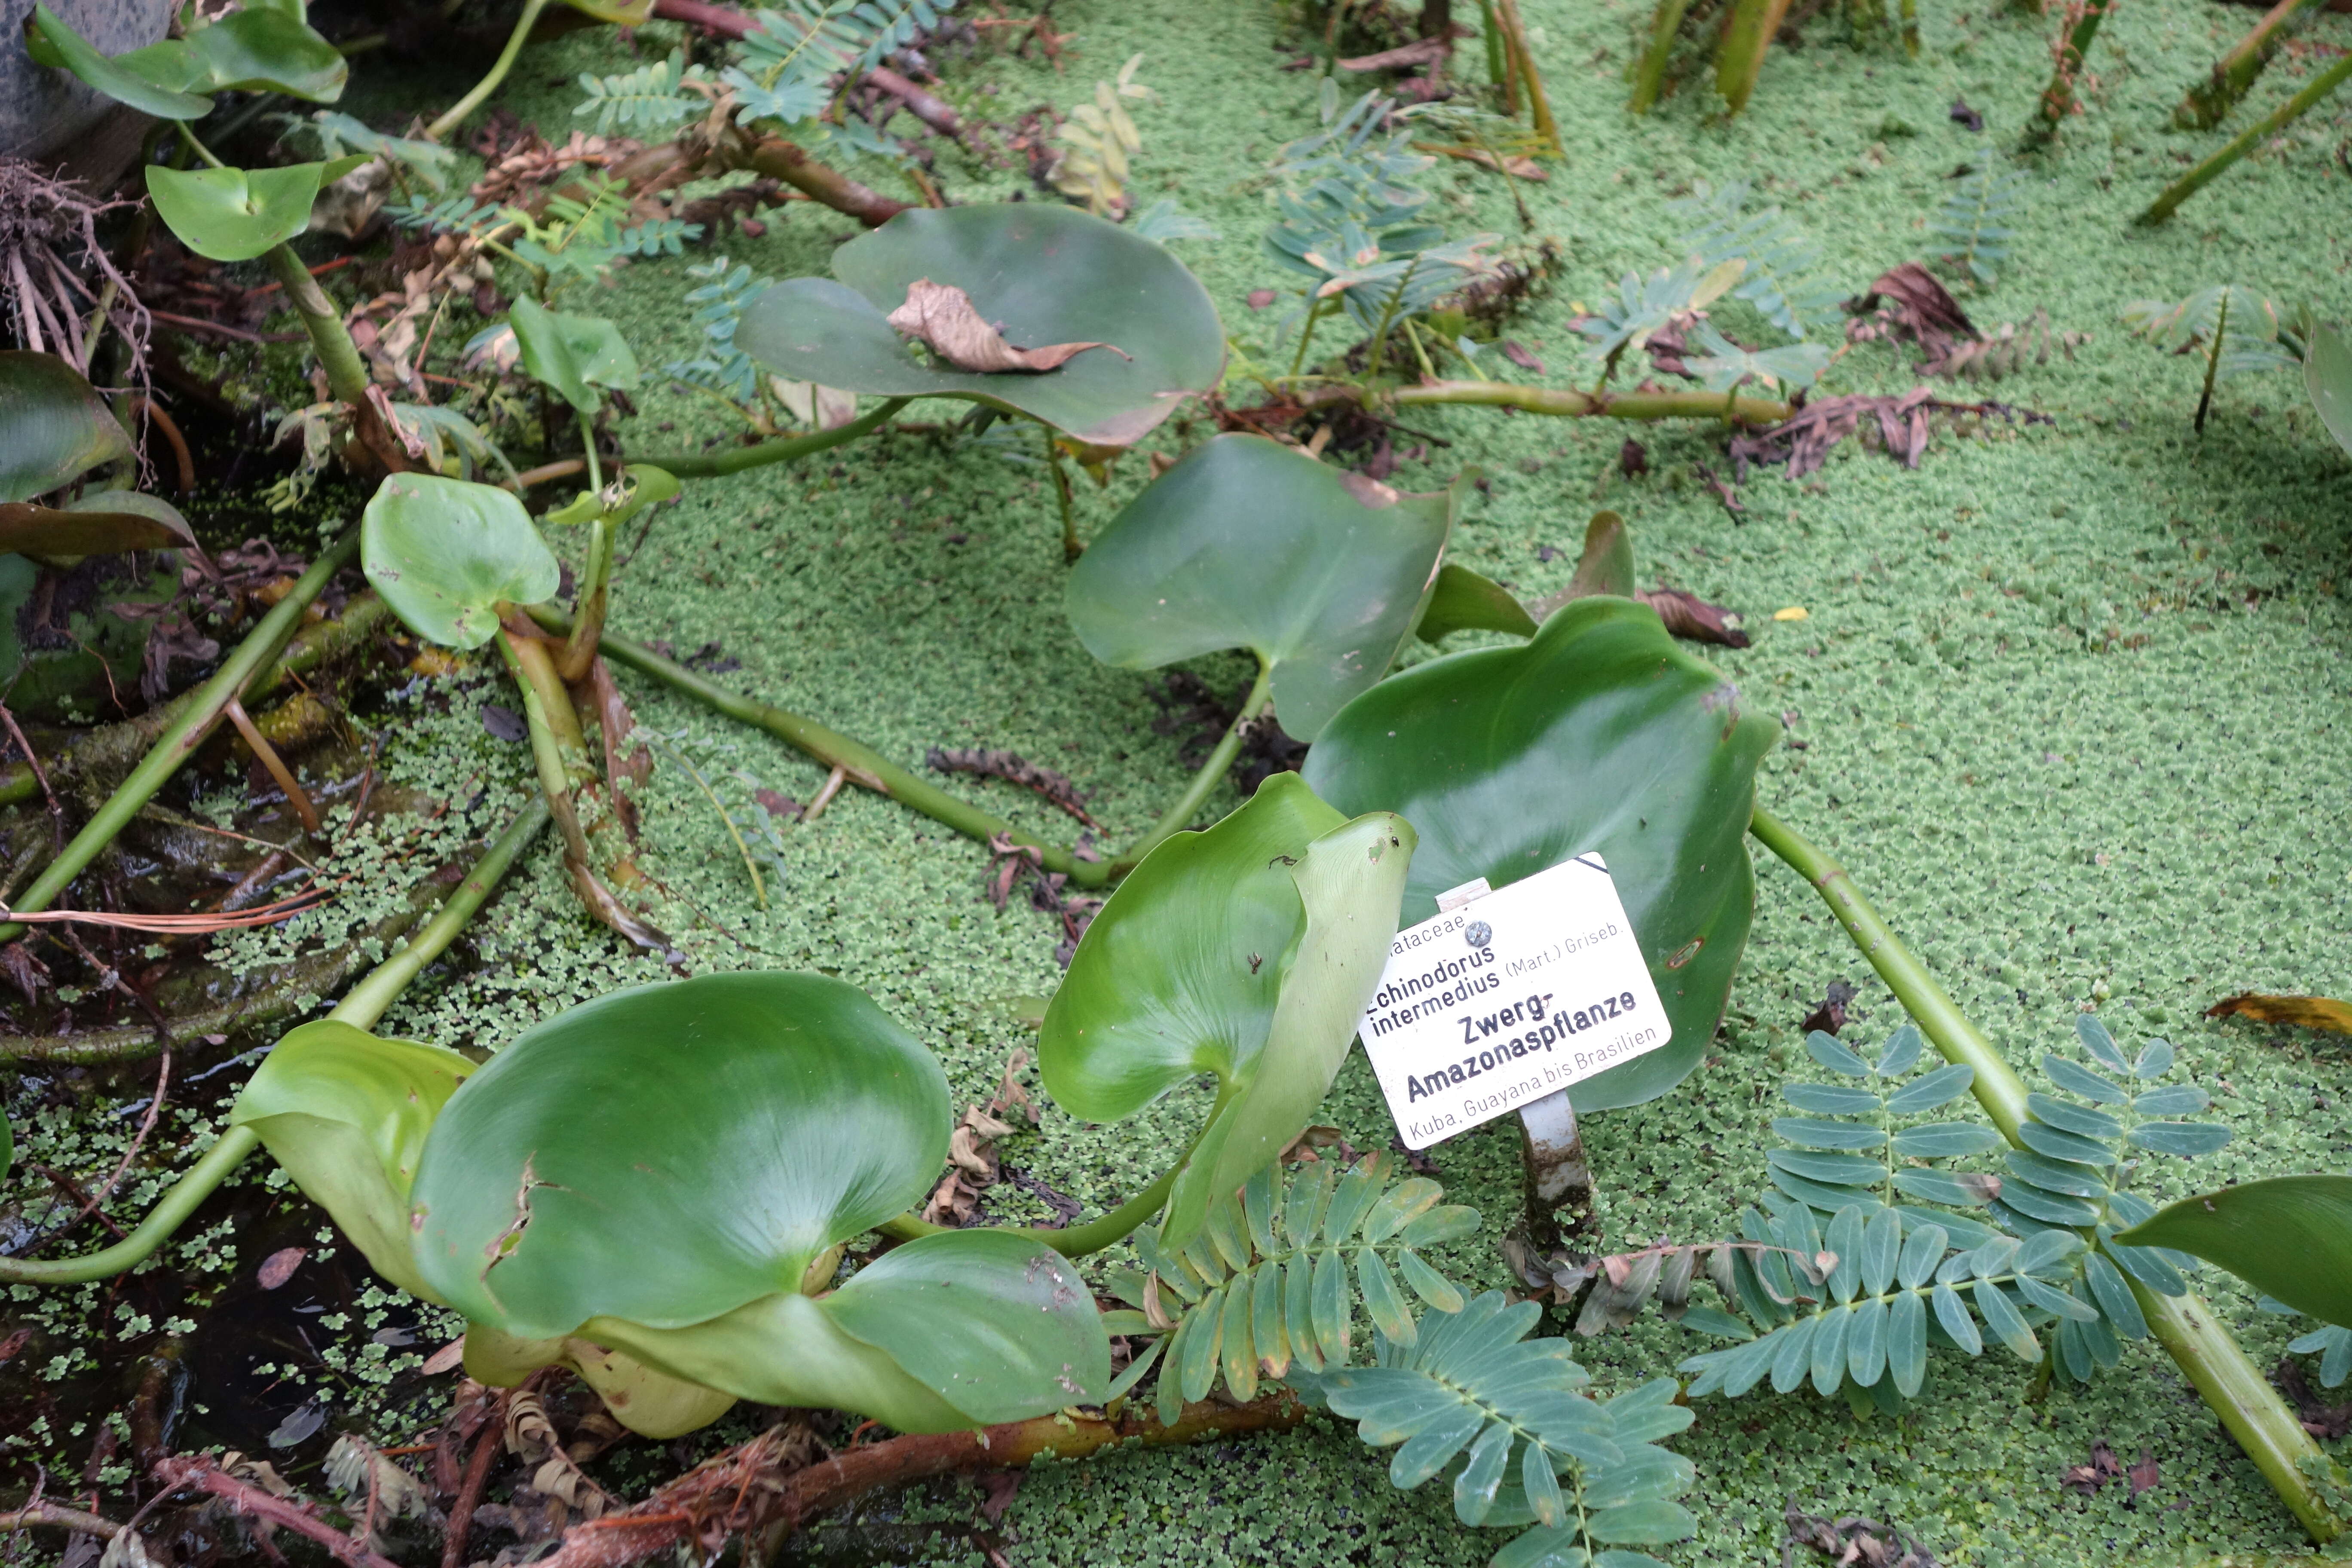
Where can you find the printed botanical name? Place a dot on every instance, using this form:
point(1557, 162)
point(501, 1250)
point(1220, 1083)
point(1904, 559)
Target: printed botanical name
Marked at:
point(1548, 1032)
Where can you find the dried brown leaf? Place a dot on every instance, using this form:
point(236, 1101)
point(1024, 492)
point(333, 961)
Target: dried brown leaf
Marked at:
point(279, 1266)
point(943, 316)
point(1013, 769)
point(1830, 1016)
point(2302, 1012)
point(1521, 356)
point(1688, 615)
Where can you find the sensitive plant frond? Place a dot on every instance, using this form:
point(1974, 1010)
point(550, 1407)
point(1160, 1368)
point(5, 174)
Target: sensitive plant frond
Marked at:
point(787, 65)
point(1781, 277)
point(1867, 1250)
point(1644, 306)
point(2331, 1342)
point(1166, 222)
point(1471, 1397)
point(1974, 227)
point(645, 99)
point(1263, 1291)
point(2240, 330)
point(339, 134)
point(1098, 140)
point(1722, 365)
point(718, 306)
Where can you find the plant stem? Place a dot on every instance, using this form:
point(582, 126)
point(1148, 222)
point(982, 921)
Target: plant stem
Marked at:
point(1649, 71)
point(2253, 1411)
point(361, 1008)
point(1072, 547)
point(1077, 1241)
point(455, 115)
point(178, 741)
point(861, 763)
point(1523, 58)
point(1306, 336)
point(2190, 183)
point(2205, 104)
point(347, 372)
point(1572, 403)
point(1739, 58)
point(715, 465)
point(2213, 359)
point(1179, 817)
point(2058, 98)
point(117, 745)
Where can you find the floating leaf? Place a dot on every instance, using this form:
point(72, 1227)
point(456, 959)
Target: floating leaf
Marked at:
point(108, 522)
point(445, 554)
point(1248, 544)
point(656, 1169)
point(54, 427)
point(1038, 273)
point(1599, 734)
point(1248, 951)
point(2301, 1012)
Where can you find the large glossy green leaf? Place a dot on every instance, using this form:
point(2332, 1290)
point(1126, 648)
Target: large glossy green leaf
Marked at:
point(53, 426)
point(2327, 375)
point(1248, 952)
point(1249, 543)
point(667, 1153)
point(2289, 1236)
point(260, 49)
point(108, 522)
point(235, 214)
point(1463, 600)
point(1599, 734)
point(445, 554)
point(573, 355)
point(346, 1113)
point(1041, 273)
point(131, 80)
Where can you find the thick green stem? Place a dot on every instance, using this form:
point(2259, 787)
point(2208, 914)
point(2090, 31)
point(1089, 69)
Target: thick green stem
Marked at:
point(860, 763)
point(1179, 817)
point(735, 459)
point(2058, 98)
point(2203, 106)
point(455, 115)
point(2190, 183)
point(364, 1004)
point(1568, 403)
point(1071, 548)
point(1514, 41)
point(1650, 70)
point(205, 711)
point(2251, 1411)
point(347, 372)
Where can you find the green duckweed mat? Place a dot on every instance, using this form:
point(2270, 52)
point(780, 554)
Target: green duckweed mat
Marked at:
point(2069, 700)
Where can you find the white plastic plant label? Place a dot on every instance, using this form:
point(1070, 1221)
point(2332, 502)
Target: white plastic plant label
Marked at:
point(1507, 997)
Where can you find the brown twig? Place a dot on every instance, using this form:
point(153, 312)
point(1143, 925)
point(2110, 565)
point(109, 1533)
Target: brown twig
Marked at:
point(193, 324)
point(469, 1492)
point(49, 1513)
point(137, 1142)
point(738, 1492)
point(32, 759)
point(140, 403)
point(198, 1472)
point(267, 755)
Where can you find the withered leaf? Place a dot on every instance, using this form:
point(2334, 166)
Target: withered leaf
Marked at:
point(2302, 1012)
point(943, 316)
point(1259, 299)
point(1852, 1541)
point(1922, 306)
point(1013, 769)
point(997, 1488)
point(1963, 115)
point(1688, 615)
point(503, 723)
point(279, 1266)
point(2143, 1474)
point(1632, 458)
point(2319, 1418)
point(1830, 1016)
point(782, 807)
point(1521, 356)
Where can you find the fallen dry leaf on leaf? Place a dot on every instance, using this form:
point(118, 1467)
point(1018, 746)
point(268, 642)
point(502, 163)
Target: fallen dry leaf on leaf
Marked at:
point(943, 315)
point(1688, 615)
point(2302, 1012)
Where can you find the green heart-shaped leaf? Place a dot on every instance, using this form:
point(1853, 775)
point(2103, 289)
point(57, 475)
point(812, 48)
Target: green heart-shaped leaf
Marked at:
point(958, 1329)
point(346, 1113)
point(1249, 952)
point(235, 214)
point(2289, 1236)
point(53, 426)
point(667, 1153)
point(1249, 543)
point(571, 354)
point(1599, 734)
point(1465, 601)
point(2327, 375)
point(132, 79)
point(1041, 274)
point(445, 554)
point(110, 522)
point(266, 50)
